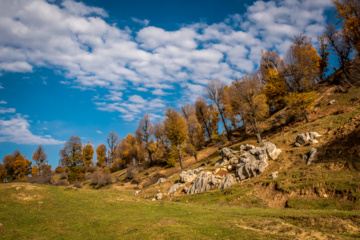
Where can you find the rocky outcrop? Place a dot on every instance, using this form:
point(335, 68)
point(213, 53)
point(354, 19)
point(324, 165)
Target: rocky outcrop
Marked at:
point(187, 176)
point(310, 156)
point(228, 181)
point(307, 137)
point(254, 162)
point(205, 181)
point(173, 189)
point(137, 192)
point(228, 156)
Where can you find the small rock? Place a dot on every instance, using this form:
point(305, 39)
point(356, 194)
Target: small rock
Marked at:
point(313, 141)
point(325, 195)
point(297, 144)
point(137, 192)
point(159, 196)
point(229, 167)
point(154, 199)
point(274, 175)
point(332, 102)
point(161, 180)
point(158, 190)
point(310, 156)
point(18, 188)
point(174, 188)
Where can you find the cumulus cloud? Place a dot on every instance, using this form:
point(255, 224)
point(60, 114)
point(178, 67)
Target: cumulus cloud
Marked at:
point(3, 102)
point(91, 53)
point(16, 130)
point(7, 110)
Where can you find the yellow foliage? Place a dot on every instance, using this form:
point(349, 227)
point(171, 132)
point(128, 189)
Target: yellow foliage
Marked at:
point(301, 104)
point(34, 171)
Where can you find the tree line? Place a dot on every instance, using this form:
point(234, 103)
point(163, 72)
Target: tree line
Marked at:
point(279, 83)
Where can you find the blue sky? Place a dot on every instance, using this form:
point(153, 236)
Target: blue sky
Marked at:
point(87, 68)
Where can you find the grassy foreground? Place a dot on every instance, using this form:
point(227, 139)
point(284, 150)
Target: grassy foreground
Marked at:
point(29, 211)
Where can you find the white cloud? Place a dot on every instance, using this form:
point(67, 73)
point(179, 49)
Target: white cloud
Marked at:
point(99, 132)
point(75, 38)
point(7, 110)
point(3, 102)
point(16, 130)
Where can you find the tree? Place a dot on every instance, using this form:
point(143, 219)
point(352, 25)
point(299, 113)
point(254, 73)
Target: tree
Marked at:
point(71, 157)
point(22, 168)
point(301, 104)
point(348, 11)
point(34, 171)
point(196, 137)
point(40, 158)
point(176, 131)
point(143, 134)
point(302, 64)
point(254, 102)
point(271, 72)
point(2, 173)
point(187, 110)
point(88, 153)
point(341, 45)
point(131, 151)
point(101, 155)
point(203, 115)
point(324, 56)
point(215, 92)
point(113, 141)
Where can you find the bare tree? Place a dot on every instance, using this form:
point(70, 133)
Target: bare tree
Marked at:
point(113, 141)
point(215, 92)
point(144, 132)
point(40, 158)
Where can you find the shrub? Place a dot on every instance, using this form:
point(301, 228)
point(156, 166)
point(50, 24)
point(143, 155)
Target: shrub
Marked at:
point(40, 179)
point(153, 179)
point(59, 169)
point(77, 184)
point(63, 175)
point(132, 171)
point(62, 183)
point(100, 179)
point(92, 169)
point(76, 174)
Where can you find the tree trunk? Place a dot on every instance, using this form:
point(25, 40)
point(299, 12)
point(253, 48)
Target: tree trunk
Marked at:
point(258, 137)
point(196, 157)
point(224, 123)
point(180, 157)
point(307, 118)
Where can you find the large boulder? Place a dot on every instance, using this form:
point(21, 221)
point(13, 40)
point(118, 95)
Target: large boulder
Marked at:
point(250, 169)
point(271, 150)
point(228, 181)
point(174, 188)
point(227, 154)
point(187, 176)
point(205, 181)
point(246, 147)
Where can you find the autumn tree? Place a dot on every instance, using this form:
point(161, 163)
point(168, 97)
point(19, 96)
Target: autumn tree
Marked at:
point(131, 151)
point(196, 137)
point(254, 102)
point(101, 155)
point(113, 141)
point(215, 92)
point(88, 152)
point(2, 173)
point(40, 158)
point(301, 64)
point(301, 104)
point(271, 72)
point(34, 171)
point(71, 157)
point(143, 133)
point(348, 11)
point(22, 168)
point(176, 131)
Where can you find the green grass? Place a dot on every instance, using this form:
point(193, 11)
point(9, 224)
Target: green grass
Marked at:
point(47, 212)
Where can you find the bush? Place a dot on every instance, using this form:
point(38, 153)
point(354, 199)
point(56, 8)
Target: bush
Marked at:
point(77, 184)
point(153, 179)
point(100, 179)
point(40, 179)
point(76, 174)
point(132, 171)
point(62, 183)
point(59, 169)
point(63, 175)
point(91, 169)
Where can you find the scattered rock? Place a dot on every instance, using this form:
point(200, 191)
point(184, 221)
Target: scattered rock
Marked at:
point(227, 153)
point(154, 199)
point(274, 175)
point(174, 188)
point(204, 182)
point(159, 196)
point(332, 102)
point(161, 180)
point(18, 188)
point(250, 169)
point(310, 156)
point(186, 190)
point(302, 138)
point(325, 195)
point(137, 192)
point(229, 167)
point(228, 181)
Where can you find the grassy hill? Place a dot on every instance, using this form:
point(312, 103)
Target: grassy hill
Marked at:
point(319, 201)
